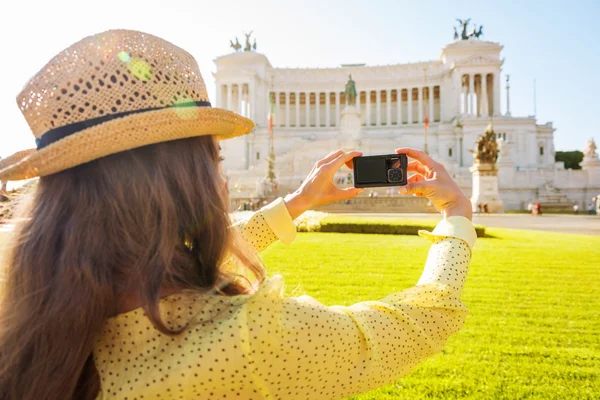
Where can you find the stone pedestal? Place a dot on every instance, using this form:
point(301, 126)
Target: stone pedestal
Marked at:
point(350, 125)
point(485, 188)
point(350, 128)
point(591, 164)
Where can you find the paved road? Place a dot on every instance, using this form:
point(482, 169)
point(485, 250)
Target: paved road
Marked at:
point(585, 224)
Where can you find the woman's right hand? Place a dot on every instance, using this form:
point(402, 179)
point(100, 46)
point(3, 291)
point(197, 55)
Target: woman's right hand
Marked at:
point(318, 187)
point(431, 180)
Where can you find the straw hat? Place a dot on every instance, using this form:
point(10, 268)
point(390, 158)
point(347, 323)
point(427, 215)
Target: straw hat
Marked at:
point(112, 92)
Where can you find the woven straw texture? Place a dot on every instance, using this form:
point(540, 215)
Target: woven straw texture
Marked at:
point(109, 73)
point(14, 158)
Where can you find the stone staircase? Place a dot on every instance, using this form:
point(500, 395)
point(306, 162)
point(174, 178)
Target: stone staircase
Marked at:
point(380, 204)
point(553, 199)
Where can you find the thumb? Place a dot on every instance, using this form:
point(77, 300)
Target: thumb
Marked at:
point(349, 193)
point(414, 188)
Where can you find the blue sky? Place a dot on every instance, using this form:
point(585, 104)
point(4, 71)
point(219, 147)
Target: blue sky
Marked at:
point(554, 42)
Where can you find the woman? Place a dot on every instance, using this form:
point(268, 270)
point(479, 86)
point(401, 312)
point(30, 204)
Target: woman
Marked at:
point(124, 280)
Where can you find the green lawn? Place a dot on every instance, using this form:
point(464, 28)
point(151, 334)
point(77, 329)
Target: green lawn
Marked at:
point(534, 326)
point(534, 298)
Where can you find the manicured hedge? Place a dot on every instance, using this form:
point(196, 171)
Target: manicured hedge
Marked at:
point(391, 226)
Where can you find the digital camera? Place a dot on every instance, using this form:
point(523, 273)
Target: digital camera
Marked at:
point(378, 171)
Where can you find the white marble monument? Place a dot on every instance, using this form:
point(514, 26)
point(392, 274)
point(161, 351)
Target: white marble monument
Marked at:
point(459, 93)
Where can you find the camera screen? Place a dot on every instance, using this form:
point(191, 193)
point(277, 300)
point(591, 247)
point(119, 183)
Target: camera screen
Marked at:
point(371, 170)
point(395, 163)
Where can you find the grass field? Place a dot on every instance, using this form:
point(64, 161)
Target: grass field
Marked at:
point(534, 298)
point(533, 331)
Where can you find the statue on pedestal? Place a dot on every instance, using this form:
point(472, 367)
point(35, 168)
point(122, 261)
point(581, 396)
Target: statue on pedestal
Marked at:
point(350, 123)
point(591, 161)
point(589, 153)
point(248, 46)
point(485, 173)
point(487, 147)
point(475, 33)
point(350, 92)
point(236, 46)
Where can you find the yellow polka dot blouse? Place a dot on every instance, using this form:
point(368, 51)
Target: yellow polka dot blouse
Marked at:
point(266, 346)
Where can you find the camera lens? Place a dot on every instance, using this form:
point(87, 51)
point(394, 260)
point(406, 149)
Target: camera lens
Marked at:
point(395, 175)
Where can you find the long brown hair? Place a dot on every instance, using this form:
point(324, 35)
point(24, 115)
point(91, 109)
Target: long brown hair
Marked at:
point(141, 220)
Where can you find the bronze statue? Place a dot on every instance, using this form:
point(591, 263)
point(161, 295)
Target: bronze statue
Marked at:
point(464, 24)
point(237, 46)
point(474, 31)
point(248, 46)
point(487, 147)
point(350, 92)
point(475, 34)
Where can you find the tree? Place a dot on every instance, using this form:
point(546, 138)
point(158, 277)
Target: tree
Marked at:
point(571, 158)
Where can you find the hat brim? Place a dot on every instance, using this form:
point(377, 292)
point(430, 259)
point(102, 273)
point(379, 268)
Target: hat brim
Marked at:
point(127, 133)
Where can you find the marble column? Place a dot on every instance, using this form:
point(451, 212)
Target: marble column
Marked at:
point(461, 95)
point(440, 102)
point(229, 96)
point(357, 105)
point(496, 96)
point(471, 109)
point(409, 99)
point(318, 109)
point(297, 99)
point(307, 105)
point(239, 99)
point(246, 98)
point(388, 117)
point(484, 97)
point(337, 109)
point(430, 111)
point(378, 107)
point(278, 118)
point(368, 104)
point(327, 110)
point(287, 109)
point(421, 89)
point(253, 102)
point(398, 106)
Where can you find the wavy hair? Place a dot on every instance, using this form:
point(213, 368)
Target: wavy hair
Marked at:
point(136, 222)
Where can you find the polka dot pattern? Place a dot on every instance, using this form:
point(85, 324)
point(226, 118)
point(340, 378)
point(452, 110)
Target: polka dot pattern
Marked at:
point(266, 346)
point(257, 232)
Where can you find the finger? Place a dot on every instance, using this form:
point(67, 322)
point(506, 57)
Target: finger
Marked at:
point(349, 193)
point(416, 166)
point(324, 160)
point(342, 159)
point(331, 156)
point(417, 188)
point(350, 164)
point(416, 178)
point(417, 155)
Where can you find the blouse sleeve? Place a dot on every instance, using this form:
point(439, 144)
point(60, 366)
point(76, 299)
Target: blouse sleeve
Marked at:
point(265, 226)
point(336, 352)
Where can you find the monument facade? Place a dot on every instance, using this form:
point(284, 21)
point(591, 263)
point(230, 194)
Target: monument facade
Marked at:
point(443, 106)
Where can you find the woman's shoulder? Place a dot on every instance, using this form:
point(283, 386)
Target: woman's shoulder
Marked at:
point(190, 308)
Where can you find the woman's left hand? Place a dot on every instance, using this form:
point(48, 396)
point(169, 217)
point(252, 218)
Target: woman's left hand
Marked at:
point(318, 187)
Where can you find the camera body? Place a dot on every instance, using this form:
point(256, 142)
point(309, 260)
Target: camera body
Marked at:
point(380, 171)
